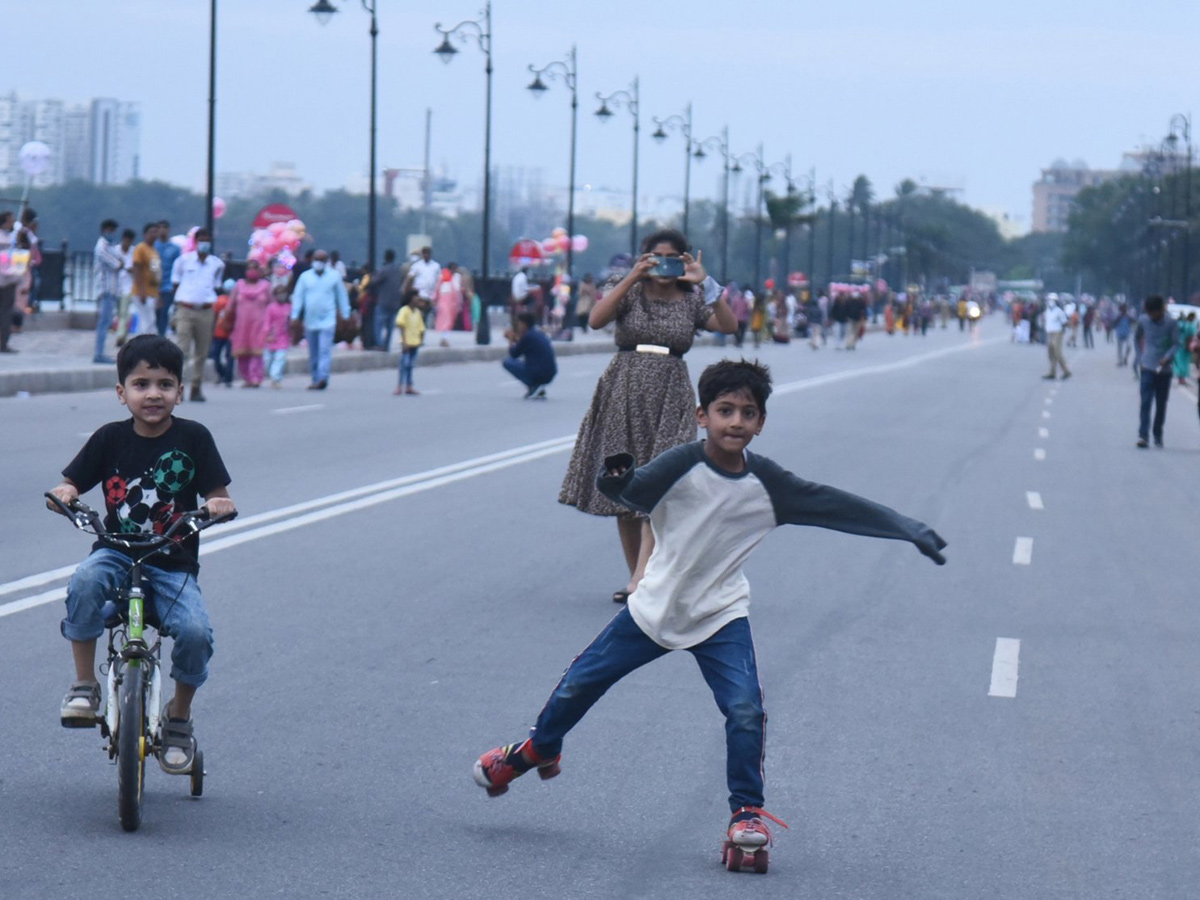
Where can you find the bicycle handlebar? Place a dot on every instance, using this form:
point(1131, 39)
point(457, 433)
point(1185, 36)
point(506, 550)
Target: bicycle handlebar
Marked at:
point(83, 516)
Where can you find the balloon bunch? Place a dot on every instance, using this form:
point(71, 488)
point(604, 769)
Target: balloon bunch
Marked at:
point(279, 240)
point(559, 242)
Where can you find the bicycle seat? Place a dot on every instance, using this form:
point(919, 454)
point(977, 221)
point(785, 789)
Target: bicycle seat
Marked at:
point(115, 615)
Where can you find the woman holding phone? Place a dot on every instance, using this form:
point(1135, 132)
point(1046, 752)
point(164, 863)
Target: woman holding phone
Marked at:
point(644, 403)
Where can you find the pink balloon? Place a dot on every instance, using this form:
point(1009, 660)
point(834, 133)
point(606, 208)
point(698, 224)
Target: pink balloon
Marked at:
point(218, 207)
point(276, 228)
point(295, 225)
point(272, 246)
point(550, 246)
point(259, 236)
point(579, 243)
point(289, 237)
point(563, 243)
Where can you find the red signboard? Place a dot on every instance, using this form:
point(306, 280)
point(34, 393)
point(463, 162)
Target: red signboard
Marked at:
point(274, 212)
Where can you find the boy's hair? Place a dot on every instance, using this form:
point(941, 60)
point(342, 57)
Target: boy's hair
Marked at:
point(527, 318)
point(729, 377)
point(156, 352)
point(1154, 303)
point(128, 233)
point(148, 227)
point(108, 225)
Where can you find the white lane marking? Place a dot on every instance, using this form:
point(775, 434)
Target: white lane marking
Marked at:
point(1043, 432)
point(1045, 413)
point(1023, 552)
point(1004, 668)
point(288, 410)
point(1034, 499)
point(1049, 400)
point(1039, 453)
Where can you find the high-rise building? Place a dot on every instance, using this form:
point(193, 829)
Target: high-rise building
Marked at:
point(114, 135)
point(1054, 193)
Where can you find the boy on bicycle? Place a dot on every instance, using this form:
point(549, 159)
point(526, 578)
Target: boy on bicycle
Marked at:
point(154, 467)
point(710, 502)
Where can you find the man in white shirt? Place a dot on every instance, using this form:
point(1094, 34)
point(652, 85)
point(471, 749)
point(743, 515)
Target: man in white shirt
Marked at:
point(423, 276)
point(196, 276)
point(1055, 319)
point(124, 284)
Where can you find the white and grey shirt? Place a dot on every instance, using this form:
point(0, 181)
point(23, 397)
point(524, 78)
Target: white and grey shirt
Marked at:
point(706, 521)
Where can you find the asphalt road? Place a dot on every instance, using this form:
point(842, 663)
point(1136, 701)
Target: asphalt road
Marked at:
point(422, 601)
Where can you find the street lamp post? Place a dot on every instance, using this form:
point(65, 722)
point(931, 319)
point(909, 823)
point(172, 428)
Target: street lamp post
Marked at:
point(566, 70)
point(785, 169)
point(721, 143)
point(684, 124)
point(832, 228)
point(756, 159)
point(324, 10)
point(212, 113)
point(628, 99)
point(480, 30)
point(1181, 127)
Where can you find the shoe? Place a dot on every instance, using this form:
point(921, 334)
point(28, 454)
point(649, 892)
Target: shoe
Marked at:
point(313, 387)
point(1143, 443)
point(81, 706)
point(1066, 375)
point(1158, 442)
point(621, 596)
point(1047, 378)
point(9, 350)
point(176, 736)
point(398, 392)
point(275, 383)
point(496, 768)
point(322, 384)
point(197, 395)
point(540, 395)
point(748, 840)
point(411, 390)
point(529, 393)
point(104, 361)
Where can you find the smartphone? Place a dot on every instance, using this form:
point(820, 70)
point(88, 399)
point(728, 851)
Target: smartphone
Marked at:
point(668, 267)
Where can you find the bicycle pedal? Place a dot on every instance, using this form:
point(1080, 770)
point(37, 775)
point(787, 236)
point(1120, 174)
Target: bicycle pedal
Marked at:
point(73, 722)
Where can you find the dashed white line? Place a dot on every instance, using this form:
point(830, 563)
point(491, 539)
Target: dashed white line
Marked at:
point(1049, 400)
point(1034, 499)
point(1023, 552)
point(1043, 432)
point(1045, 413)
point(287, 410)
point(1004, 668)
point(1039, 453)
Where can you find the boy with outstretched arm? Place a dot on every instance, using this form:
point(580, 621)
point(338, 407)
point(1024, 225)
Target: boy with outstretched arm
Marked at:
point(153, 468)
point(710, 502)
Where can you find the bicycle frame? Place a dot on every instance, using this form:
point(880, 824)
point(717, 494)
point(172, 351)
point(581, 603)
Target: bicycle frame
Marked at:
point(134, 651)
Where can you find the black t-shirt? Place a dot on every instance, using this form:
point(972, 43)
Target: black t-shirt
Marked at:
point(149, 482)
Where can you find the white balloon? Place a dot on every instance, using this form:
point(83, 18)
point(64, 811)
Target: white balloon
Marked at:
point(35, 158)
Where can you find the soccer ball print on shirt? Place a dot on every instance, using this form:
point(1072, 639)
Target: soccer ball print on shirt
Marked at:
point(147, 503)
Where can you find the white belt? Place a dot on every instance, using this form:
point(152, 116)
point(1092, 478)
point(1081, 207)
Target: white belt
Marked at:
point(653, 348)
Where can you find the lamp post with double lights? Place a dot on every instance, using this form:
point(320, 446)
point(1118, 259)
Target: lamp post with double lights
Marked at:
point(566, 70)
point(784, 168)
point(1181, 127)
point(324, 11)
point(212, 115)
point(628, 99)
point(479, 30)
point(760, 169)
point(684, 124)
point(720, 143)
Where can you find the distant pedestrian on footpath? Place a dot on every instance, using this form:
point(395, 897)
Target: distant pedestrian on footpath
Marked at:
point(1157, 340)
point(1123, 328)
point(168, 252)
point(248, 308)
point(196, 276)
point(530, 356)
point(8, 282)
point(106, 271)
point(1056, 320)
point(278, 337)
point(319, 299)
point(388, 287)
point(411, 322)
point(147, 281)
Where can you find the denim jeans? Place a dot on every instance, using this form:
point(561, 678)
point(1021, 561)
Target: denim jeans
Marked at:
point(320, 353)
point(106, 308)
point(520, 371)
point(385, 323)
point(1156, 387)
point(408, 359)
point(276, 363)
point(221, 353)
point(162, 315)
point(177, 601)
point(727, 663)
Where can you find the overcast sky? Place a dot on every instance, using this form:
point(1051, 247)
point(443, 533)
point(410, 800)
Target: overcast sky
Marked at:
point(971, 94)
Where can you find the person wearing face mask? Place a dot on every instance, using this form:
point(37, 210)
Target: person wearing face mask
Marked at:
point(319, 300)
point(106, 270)
point(196, 276)
point(248, 308)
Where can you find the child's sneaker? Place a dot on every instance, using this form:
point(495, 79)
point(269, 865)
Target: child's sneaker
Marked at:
point(748, 840)
point(496, 768)
point(81, 706)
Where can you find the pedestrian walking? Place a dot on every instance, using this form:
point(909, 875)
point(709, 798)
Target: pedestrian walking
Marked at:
point(448, 303)
point(125, 285)
point(530, 356)
point(319, 300)
point(411, 322)
point(1123, 329)
point(168, 251)
point(1157, 339)
point(196, 276)
point(220, 348)
point(388, 287)
point(278, 337)
point(1056, 320)
point(106, 269)
point(9, 280)
point(644, 402)
point(147, 281)
point(587, 299)
point(248, 307)
point(740, 307)
point(1183, 356)
point(1089, 321)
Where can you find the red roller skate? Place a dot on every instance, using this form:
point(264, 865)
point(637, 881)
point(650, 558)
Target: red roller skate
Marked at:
point(496, 768)
point(749, 840)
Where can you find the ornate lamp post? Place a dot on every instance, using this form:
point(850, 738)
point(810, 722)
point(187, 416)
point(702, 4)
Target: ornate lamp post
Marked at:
point(324, 11)
point(1181, 127)
point(760, 168)
point(684, 124)
point(566, 70)
point(479, 30)
point(720, 143)
point(628, 99)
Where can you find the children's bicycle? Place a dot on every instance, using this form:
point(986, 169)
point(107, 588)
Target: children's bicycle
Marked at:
point(132, 708)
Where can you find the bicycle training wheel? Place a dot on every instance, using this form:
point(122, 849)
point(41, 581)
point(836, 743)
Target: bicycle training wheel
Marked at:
point(131, 746)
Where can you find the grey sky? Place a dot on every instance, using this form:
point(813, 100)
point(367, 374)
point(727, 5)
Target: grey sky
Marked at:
point(973, 94)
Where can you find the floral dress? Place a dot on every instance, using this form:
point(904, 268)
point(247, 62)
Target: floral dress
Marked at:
point(644, 403)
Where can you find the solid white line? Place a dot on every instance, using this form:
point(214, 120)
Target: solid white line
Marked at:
point(32, 581)
point(1023, 552)
point(1004, 668)
point(1035, 500)
point(1039, 453)
point(286, 410)
point(1043, 432)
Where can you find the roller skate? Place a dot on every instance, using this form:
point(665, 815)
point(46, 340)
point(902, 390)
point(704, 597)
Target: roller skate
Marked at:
point(748, 843)
point(496, 768)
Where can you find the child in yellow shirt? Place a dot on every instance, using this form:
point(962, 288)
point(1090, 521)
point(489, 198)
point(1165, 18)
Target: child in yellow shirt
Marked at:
point(411, 322)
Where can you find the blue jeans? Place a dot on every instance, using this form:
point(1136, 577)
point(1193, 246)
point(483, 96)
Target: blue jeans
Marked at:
point(385, 323)
point(162, 313)
point(276, 363)
point(177, 601)
point(727, 663)
point(1156, 387)
point(408, 359)
point(520, 371)
point(320, 353)
point(106, 308)
point(221, 353)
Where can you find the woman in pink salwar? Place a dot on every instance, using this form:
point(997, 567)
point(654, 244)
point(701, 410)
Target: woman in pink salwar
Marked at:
point(449, 300)
point(249, 305)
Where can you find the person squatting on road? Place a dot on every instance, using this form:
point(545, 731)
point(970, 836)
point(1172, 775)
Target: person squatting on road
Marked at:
point(644, 402)
point(709, 503)
point(530, 356)
point(1157, 340)
point(127, 457)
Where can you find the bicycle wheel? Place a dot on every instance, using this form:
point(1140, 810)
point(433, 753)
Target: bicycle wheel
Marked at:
point(131, 746)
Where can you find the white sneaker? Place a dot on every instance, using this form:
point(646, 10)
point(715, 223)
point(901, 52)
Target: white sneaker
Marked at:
point(81, 706)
